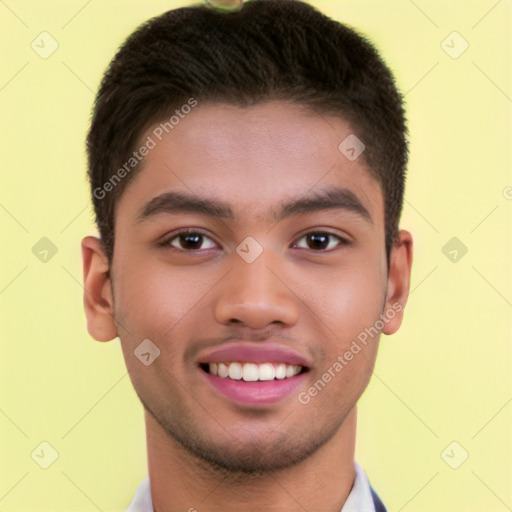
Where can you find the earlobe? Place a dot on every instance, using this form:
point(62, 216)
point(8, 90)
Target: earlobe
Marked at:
point(398, 284)
point(98, 301)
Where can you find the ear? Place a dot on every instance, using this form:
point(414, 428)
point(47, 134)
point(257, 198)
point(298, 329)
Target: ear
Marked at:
point(398, 283)
point(98, 302)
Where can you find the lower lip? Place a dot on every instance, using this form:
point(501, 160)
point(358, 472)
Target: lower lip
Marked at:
point(253, 393)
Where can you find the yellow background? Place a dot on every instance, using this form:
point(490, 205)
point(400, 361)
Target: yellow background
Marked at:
point(444, 377)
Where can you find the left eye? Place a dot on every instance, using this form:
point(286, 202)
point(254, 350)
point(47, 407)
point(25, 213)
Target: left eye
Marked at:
point(320, 240)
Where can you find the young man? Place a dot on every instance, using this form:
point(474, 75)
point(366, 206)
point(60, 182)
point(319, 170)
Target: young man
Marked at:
point(251, 167)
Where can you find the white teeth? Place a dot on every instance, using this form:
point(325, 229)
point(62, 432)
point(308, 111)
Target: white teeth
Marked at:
point(290, 371)
point(252, 372)
point(222, 370)
point(267, 371)
point(235, 371)
point(281, 371)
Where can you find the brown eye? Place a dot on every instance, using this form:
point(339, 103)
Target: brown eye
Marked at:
point(320, 241)
point(187, 241)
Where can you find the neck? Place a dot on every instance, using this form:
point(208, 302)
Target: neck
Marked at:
point(181, 482)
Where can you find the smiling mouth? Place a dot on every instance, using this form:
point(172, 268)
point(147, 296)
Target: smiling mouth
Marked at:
point(253, 372)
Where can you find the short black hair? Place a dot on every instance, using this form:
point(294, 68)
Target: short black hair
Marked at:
point(269, 50)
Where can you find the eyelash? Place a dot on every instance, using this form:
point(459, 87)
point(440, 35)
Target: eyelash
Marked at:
point(166, 243)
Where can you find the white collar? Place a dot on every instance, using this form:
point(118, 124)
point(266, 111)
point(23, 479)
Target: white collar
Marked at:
point(359, 500)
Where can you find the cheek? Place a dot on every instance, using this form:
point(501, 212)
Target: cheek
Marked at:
point(348, 305)
point(348, 310)
point(153, 303)
point(153, 300)
point(347, 300)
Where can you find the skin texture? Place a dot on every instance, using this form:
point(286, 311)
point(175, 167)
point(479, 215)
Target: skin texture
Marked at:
point(205, 451)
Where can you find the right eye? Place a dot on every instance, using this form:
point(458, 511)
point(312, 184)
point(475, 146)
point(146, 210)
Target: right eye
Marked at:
point(189, 240)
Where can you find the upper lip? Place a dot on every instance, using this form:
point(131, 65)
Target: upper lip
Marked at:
point(254, 353)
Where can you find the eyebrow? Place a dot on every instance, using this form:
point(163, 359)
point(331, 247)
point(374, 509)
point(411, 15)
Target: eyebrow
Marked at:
point(327, 199)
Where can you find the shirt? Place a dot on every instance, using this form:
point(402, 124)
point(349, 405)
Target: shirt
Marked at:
point(362, 497)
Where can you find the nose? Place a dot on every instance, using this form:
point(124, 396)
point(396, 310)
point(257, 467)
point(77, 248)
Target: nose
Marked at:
point(257, 294)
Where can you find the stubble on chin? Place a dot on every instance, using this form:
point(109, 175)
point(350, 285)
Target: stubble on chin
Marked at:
point(278, 450)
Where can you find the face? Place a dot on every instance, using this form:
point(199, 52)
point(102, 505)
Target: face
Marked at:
point(248, 244)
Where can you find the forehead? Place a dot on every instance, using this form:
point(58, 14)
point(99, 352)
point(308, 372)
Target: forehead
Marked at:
point(251, 157)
